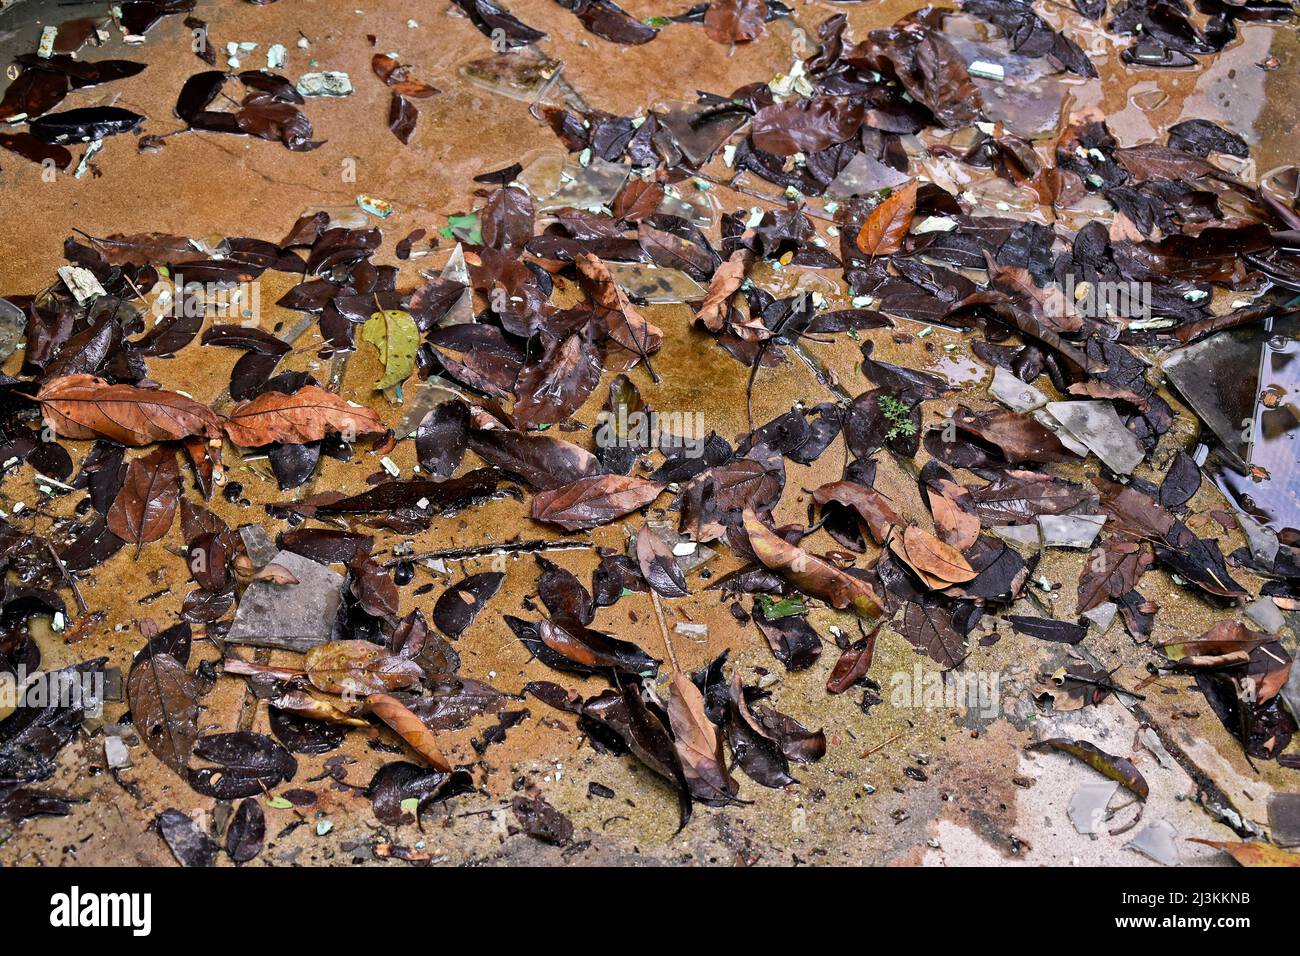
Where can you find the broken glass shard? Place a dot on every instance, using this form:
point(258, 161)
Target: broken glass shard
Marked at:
point(1159, 841)
point(864, 176)
point(592, 187)
point(1088, 806)
point(1070, 531)
point(1012, 392)
point(13, 326)
point(1097, 425)
point(430, 393)
point(329, 83)
point(646, 283)
point(527, 75)
point(698, 132)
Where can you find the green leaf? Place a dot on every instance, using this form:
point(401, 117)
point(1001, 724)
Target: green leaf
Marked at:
point(393, 332)
point(465, 228)
point(775, 610)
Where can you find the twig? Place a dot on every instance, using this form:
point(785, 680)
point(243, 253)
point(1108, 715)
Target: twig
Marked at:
point(663, 629)
point(532, 546)
point(865, 754)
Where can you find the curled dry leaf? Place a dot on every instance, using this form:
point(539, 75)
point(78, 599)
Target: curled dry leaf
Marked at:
point(658, 565)
point(810, 573)
point(593, 501)
point(936, 563)
point(726, 280)
point(83, 406)
point(698, 743)
point(1252, 854)
point(410, 728)
point(623, 323)
point(1119, 769)
point(307, 415)
point(872, 507)
point(275, 574)
point(358, 667)
point(305, 704)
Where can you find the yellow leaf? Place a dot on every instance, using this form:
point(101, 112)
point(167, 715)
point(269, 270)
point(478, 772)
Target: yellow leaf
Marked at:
point(394, 333)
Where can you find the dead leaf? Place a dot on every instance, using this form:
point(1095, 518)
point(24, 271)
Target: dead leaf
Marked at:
point(593, 501)
point(145, 506)
point(410, 728)
point(698, 743)
point(1252, 854)
point(83, 406)
point(358, 667)
point(1119, 769)
point(307, 415)
point(887, 225)
point(809, 573)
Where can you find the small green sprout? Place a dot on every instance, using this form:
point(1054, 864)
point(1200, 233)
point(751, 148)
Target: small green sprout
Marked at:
point(899, 416)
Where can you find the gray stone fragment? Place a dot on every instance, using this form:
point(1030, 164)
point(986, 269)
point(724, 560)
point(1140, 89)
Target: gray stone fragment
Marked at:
point(1098, 426)
point(1012, 392)
point(1284, 818)
point(1266, 614)
point(293, 617)
point(1070, 531)
point(259, 545)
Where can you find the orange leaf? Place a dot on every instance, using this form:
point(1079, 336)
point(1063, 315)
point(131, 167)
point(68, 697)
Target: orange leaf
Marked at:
point(309, 414)
point(410, 728)
point(1253, 854)
point(934, 559)
point(83, 406)
point(883, 230)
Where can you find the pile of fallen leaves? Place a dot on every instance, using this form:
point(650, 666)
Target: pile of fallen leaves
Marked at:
point(498, 375)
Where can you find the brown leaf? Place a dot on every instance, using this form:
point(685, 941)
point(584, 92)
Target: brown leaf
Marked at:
point(307, 415)
point(358, 667)
point(806, 124)
point(593, 501)
point(556, 386)
point(623, 323)
point(809, 573)
point(938, 564)
point(735, 21)
point(164, 707)
point(726, 280)
point(887, 225)
point(1119, 769)
point(275, 574)
point(410, 728)
point(659, 566)
point(83, 406)
point(698, 743)
point(853, 664)
point(956, 527)
point(872, 507)
point(145, 506)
